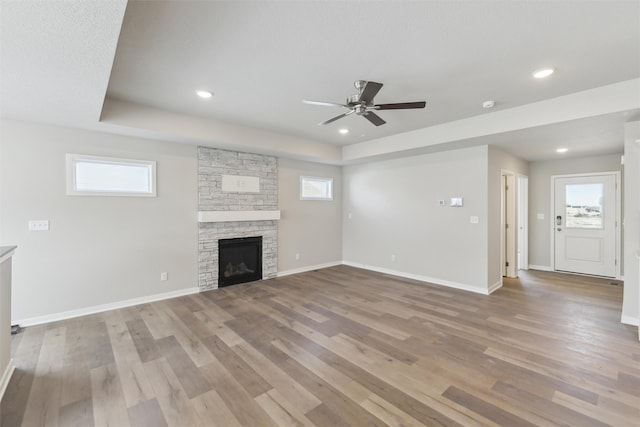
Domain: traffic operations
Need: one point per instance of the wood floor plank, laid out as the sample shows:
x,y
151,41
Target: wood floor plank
x,y
143,340
77,414
109,407
281,410
147,414
485,409
338,346
235,397
213,411
192,380
600,415
135,385
251,380
25,357
43,406
286,385
171,397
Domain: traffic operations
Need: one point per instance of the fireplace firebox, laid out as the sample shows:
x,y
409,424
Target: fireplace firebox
x,y
240,260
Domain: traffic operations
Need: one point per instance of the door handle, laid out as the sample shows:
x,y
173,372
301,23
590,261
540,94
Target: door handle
x,y
559,220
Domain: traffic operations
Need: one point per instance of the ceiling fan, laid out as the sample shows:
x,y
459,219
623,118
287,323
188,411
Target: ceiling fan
x,y
362,104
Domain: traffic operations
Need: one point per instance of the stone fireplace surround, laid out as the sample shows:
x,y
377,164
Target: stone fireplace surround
x,y
228,215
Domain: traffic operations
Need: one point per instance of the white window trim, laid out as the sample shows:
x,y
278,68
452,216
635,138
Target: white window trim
x,y
72,159
303,197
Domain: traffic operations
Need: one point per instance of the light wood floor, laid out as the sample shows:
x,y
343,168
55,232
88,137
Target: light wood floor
x,y
337,347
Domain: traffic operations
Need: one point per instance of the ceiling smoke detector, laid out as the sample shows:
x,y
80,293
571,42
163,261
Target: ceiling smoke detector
x,y
488,104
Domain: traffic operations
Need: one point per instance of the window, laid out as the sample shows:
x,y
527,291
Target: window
x,y
584,205
316,188
105,176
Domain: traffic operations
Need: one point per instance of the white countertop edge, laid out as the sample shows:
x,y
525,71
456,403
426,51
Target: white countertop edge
x,y
7,255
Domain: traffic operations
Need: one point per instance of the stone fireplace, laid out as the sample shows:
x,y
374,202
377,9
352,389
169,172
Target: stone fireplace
x,y
237,199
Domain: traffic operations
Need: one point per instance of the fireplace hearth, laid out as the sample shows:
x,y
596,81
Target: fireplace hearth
x,y
240,260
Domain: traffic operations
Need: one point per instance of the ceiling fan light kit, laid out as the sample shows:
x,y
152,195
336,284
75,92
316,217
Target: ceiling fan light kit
x,y
362,104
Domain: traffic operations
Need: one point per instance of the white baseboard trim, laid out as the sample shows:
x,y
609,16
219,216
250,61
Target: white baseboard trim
x,y
540,267
308,268
427,279
495,287
32,321
6,377
629,320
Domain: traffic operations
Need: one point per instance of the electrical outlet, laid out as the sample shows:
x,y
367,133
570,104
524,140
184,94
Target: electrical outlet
x,y
164,276
39,225
474,220
350,216
393,258
297,257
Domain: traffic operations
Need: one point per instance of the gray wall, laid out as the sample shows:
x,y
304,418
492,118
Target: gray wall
x,y
99,250
540,197
311,228
395,211
106,250
631,301
499,161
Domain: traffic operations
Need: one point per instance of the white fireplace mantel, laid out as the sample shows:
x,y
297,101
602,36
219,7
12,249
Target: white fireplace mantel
x,y
229,216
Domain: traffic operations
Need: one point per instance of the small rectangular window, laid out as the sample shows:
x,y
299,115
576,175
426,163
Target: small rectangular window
x,y
313,188
106,176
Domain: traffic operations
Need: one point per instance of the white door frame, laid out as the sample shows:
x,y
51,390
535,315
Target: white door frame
x,y
523,220
618,217
511,271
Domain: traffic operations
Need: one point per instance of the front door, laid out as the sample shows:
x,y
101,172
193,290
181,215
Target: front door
x,y
585,221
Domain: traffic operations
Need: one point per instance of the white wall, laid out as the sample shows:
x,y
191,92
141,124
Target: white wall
x,y
394,209
499,161
540,197
99,250
631,300
311,228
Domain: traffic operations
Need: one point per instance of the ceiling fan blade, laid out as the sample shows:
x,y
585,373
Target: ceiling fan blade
x,y
401,106
323,103
374,118
326,122
370,90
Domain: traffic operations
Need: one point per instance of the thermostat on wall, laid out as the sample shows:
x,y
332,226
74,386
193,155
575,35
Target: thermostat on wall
x,y
456,202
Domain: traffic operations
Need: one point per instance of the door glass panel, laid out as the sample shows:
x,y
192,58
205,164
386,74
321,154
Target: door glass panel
x,y
584,205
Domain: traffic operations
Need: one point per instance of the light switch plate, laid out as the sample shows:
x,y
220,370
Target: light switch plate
x,y
456,202
39,225
540,216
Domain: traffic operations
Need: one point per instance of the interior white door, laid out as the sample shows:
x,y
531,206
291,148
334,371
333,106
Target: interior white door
x,y
585,224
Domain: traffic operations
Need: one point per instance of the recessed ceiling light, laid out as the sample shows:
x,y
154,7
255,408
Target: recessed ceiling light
x,y
344,131
541,74
562,150
204,94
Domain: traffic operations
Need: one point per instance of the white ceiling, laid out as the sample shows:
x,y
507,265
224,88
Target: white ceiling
x,y
261,58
